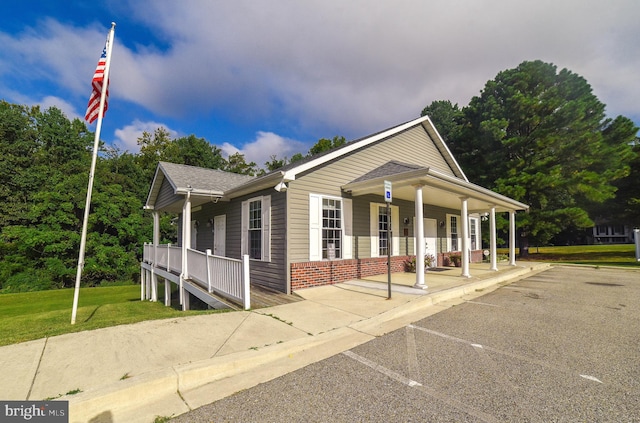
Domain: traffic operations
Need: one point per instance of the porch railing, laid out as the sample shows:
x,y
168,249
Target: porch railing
x,y
224,276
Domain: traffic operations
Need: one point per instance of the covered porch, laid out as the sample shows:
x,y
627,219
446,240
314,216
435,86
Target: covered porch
x,y
425,186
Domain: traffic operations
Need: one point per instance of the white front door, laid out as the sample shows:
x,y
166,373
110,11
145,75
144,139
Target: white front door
x,y
430,237
194,234
219,234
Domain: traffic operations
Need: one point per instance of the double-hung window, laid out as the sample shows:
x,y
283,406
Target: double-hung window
x,y
380,242
383,231
473,233
256,228
329,227
453,233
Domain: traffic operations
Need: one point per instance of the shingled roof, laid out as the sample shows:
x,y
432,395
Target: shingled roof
x,y
392,167
183,177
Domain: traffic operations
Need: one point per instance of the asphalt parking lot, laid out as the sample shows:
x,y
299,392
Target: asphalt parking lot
x,y
562,345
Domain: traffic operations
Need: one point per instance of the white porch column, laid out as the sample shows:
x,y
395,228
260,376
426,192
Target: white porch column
x,y
186,301
167,292
512,238
147,284
156,233
492,239
156,241
142,282
419,236
186,242
465,237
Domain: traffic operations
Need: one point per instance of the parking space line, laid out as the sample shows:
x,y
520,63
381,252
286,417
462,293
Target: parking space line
x,y
387,372
429,391
412,353
476,346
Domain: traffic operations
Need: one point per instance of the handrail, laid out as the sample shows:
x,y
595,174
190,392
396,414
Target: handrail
x,y
224,276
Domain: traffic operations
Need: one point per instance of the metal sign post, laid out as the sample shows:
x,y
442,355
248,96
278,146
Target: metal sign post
x,y
388,198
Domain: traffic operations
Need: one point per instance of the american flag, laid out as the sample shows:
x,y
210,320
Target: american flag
x,y
98,78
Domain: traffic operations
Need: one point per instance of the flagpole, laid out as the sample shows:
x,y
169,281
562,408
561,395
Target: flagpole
x,y
96,144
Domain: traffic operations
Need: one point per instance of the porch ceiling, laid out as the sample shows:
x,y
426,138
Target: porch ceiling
x,y
437,189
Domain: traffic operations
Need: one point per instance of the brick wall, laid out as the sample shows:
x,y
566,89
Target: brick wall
x,y
328,272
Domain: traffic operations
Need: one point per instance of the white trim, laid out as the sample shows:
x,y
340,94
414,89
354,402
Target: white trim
x,y
458,230
347,228
315,226
373,229
291,174
265,207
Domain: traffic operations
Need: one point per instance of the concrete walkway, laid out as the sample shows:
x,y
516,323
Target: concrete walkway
x,y
132,373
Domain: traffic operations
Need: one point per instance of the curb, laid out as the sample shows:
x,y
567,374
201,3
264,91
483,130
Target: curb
x,y
179,389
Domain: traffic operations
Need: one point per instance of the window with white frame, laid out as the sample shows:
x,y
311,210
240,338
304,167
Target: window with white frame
x,y
331,228
453,233
379,221
473,233
330,231
256,228
383,234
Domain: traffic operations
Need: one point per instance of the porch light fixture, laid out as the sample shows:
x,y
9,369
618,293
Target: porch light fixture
x,y
442,223
281,187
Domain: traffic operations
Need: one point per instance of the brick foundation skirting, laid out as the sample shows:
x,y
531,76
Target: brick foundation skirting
x,y
328,272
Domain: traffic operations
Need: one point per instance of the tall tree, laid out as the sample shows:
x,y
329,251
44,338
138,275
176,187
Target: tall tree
x,y
325,144
199,152
275,163
541,137
446,117
237,164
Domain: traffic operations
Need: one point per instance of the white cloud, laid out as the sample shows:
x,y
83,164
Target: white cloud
x,y
126,138
230,149
265,145
45,103
357,67
67,108
331,67
62,54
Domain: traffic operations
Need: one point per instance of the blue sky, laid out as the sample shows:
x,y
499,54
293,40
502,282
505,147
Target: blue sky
x,y
272,77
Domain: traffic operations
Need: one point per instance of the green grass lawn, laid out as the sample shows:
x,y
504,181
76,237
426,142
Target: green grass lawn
x,y
597,255
33,315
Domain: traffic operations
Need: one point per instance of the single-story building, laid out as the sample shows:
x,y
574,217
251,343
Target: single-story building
x,y
323,220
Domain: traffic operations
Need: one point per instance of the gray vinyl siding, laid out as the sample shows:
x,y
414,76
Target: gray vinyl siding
x,y
269,274
166,196
204,240
362,225
413,146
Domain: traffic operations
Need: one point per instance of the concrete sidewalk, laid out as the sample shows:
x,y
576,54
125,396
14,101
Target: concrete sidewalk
x,y
132,373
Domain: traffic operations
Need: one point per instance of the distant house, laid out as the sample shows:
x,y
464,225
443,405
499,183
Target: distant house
x,y
323,220
607,233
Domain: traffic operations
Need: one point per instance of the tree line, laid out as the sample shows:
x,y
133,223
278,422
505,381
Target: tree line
x,y
44,167
534,133
540,135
